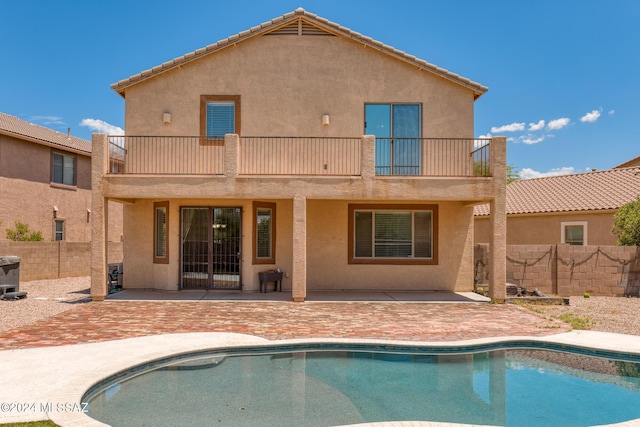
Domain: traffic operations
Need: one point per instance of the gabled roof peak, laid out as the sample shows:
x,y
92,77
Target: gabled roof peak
x,y
280,22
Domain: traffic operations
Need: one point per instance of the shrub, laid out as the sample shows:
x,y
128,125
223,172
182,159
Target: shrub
x,y
21,233
626,224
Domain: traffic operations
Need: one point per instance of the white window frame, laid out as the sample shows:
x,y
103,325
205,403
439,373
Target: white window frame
x,y
563,231
56,232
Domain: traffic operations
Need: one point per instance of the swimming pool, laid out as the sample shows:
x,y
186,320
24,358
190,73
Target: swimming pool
x,y
519,383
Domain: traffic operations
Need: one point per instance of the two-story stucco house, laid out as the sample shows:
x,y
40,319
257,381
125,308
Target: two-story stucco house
x,y
45,182
303,146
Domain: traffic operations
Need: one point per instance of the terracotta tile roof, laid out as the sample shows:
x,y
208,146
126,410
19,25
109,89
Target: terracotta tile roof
x,y
599,190
14,126
283,21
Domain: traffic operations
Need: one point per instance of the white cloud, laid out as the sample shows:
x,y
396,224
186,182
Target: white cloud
x,y
47,120
527,173
558,123
513,127
612,112
531,139
536,126
101,126
486,136
590,117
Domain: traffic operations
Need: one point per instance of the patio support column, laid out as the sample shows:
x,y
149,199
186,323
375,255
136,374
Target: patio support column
x,y
367,165
99,216
299,274
498,215
231,155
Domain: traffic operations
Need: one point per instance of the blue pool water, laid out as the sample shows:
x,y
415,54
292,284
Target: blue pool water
x,y
327,387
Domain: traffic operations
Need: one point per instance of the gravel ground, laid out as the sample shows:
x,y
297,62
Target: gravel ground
x,y
606,314
45,298
50,297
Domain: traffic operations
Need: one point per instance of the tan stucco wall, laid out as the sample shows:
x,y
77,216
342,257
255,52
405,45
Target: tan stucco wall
x,y
327,266
26,194
287,83
141,272
327,250
545,229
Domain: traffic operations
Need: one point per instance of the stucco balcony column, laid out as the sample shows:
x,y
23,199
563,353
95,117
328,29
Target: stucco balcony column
x,y
368,167
299,274
231,155
498,219
99,217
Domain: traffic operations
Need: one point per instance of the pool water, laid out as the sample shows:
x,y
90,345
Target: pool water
x,y
526,387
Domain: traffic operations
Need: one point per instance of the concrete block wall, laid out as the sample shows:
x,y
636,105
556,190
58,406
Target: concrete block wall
x,y
570,270
54,260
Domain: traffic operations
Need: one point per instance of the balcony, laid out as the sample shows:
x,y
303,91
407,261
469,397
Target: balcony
x,y
299,156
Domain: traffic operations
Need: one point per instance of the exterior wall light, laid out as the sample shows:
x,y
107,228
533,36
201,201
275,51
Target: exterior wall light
x,y
55,212
166,118
325,120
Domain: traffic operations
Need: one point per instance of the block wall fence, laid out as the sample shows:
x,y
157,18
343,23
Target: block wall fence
x,y
55,260
567,270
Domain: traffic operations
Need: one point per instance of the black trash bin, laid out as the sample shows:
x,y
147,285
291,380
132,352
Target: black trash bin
x,y
10,278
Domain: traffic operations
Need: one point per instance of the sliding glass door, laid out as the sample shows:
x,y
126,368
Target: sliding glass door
x,y
211,242
398,131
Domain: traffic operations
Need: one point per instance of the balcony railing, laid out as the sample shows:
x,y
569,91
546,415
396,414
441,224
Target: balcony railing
x,y
166,155
314,156
300,156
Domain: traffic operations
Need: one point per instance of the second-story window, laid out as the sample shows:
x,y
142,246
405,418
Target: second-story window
x,y
63,168
219,115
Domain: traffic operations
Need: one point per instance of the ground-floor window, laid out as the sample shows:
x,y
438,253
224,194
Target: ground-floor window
x,y
393,234
59,230
264,236
574,232
160,238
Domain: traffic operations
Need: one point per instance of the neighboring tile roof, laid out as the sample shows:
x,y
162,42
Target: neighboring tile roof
x,y
14,126
278,23
599,190
633,162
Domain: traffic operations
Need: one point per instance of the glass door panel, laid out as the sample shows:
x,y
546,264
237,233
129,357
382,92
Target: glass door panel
x,y
211,242
398,129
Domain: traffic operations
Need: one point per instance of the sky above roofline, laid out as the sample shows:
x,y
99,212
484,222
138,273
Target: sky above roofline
x,y
561,74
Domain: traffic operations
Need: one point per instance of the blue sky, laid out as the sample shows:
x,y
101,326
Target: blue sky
x,y
563,75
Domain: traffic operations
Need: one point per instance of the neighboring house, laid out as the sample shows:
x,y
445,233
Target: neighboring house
x,y
567,209
275,172
633,162
45,182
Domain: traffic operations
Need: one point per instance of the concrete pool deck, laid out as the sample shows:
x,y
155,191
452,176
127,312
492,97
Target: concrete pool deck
x,y
50,382
47,366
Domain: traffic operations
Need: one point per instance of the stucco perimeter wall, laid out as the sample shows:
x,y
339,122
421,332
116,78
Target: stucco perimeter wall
x,y
546,228
327,251
286,84
54,260
567,270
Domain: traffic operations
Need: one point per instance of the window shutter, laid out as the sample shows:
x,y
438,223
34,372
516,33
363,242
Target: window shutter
x,y
393,234
263,233
161,232
220,118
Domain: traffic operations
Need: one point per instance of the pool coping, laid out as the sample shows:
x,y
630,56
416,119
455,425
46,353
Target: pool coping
x,y
49,382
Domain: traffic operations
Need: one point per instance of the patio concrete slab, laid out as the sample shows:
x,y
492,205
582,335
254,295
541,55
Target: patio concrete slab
x,y
333,296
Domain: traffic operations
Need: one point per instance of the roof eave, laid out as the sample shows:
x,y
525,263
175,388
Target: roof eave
x,y
329,26
44,142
